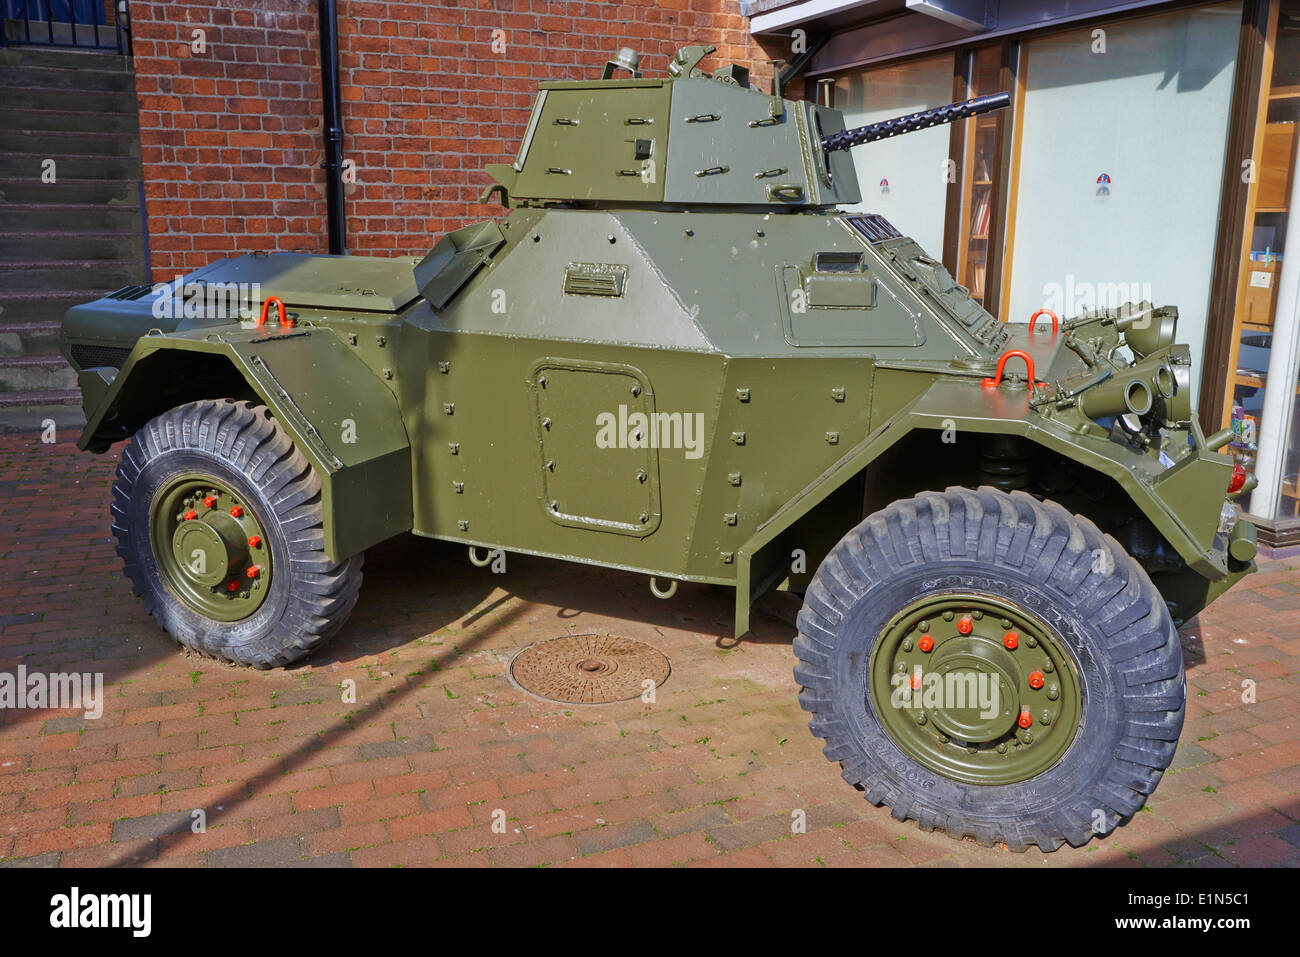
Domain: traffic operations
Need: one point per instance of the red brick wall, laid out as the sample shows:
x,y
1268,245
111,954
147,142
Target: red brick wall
x,y
231,136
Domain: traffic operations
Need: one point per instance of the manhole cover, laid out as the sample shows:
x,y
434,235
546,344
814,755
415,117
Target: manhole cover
x,y
589,669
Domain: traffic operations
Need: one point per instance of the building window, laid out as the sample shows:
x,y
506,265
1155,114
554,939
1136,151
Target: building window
x,y
904,178
1263,373
979,167
1118,166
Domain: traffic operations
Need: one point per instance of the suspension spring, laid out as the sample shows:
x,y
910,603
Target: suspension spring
x,y
1006,461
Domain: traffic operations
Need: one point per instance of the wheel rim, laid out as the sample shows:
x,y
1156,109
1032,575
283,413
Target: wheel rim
x,y
975,688
210,547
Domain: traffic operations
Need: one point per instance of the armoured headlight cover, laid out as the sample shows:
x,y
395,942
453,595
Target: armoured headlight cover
x,y
1150,330
1172,379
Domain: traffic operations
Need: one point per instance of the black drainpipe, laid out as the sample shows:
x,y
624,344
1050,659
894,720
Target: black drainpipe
x,y
333,165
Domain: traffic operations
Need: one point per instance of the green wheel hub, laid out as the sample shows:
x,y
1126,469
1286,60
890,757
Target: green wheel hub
x,y
975,688
210,547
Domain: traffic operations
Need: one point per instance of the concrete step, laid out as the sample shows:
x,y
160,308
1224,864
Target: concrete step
x,y
57,143
61,58
86,36
36,374
29,339
23,217
42,306
90,100
64,77
27,166
16,247
33,115
93,192
34,411
70,274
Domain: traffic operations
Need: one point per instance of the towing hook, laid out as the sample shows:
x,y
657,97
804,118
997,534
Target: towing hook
x,y
662,592
479,562
1033,321
1002,362
285,321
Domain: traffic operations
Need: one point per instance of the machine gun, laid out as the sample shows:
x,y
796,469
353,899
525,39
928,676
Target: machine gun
x,y
912,122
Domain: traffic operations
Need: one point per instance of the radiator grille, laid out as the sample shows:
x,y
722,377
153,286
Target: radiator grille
x,y
92,357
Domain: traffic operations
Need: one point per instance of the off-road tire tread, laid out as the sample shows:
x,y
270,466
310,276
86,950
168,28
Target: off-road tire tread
x,y
247,437
1059,549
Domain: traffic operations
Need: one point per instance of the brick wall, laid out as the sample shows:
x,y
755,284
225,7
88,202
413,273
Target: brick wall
x,y
230,120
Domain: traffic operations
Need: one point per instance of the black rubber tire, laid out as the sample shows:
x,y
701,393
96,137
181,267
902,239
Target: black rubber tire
x,y
1108,615
240,444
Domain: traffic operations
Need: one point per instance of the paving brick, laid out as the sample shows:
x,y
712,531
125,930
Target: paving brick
x,y
155,826
272,853
533,854
708,776
608,837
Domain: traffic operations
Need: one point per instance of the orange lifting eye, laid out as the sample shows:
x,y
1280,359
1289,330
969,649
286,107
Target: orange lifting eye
x,y
1002,362
285,321
1033,320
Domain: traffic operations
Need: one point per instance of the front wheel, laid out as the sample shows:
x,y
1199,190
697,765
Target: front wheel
x,y
989,664
219,525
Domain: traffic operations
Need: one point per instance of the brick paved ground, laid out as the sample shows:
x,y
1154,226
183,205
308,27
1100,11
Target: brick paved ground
x,y
438,738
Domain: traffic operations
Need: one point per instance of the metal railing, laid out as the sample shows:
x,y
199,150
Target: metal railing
x,y
90,24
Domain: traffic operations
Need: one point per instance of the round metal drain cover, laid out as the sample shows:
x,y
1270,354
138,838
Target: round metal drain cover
x,y
589,669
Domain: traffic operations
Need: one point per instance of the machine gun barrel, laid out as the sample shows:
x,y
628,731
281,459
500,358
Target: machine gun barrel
x,y
915,121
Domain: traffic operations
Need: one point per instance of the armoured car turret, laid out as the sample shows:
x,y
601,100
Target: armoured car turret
x,y
677,353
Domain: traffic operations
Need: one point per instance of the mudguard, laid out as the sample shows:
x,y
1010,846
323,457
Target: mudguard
x,y
1180,500
337,410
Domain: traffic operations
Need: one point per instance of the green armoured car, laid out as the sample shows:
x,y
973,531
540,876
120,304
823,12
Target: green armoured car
x,y
678,356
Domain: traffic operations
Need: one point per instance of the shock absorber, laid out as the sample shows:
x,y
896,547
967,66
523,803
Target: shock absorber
x,y
1006,461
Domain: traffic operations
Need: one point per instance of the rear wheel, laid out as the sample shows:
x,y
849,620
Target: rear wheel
x,y
991,665
219,524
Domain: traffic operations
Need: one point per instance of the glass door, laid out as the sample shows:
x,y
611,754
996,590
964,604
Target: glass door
x,y
1261,378
981,169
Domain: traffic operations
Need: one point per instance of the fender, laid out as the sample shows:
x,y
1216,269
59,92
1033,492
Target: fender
x,y
1164,497
339,414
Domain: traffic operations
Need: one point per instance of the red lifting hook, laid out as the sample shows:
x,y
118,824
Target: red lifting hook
x,y
1034,319
1002,361
266,307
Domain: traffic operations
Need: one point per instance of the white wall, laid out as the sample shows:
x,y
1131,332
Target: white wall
x,y
1151,112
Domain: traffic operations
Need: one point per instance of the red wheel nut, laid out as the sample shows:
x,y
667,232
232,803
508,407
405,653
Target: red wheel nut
x,y
253,571
236,511
210,501
966,626
255,541
926,644
191,514
916,682
1011,640
1036,680
232,586
1025,719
